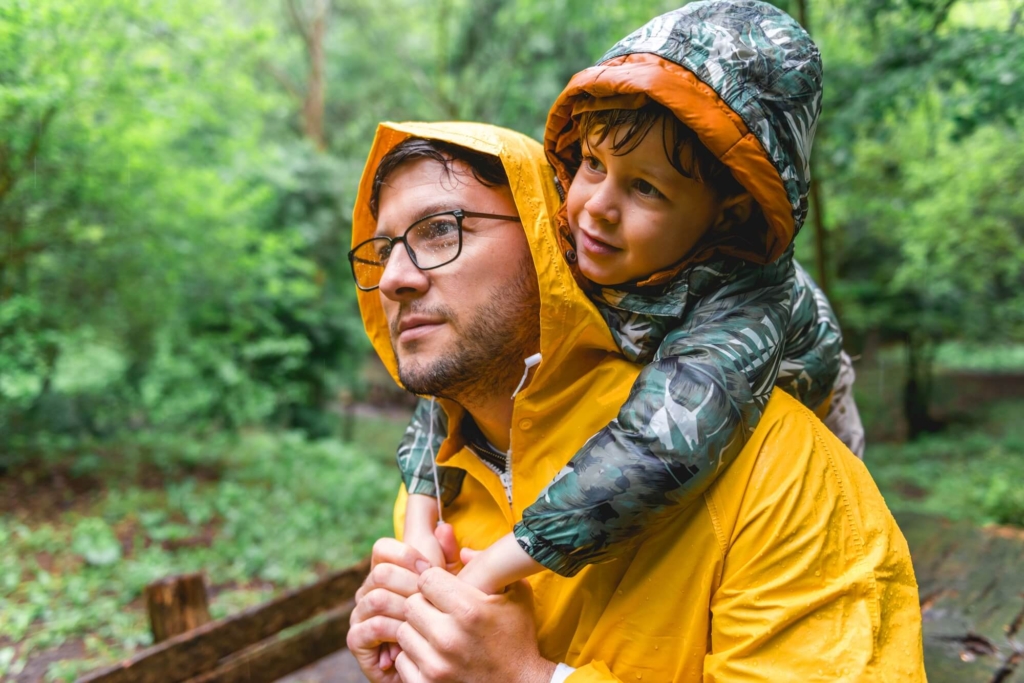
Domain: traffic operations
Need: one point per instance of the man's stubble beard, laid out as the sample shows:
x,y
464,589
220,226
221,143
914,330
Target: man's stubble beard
x,y
487,359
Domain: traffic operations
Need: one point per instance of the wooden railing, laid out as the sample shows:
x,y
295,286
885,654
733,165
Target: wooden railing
x,y
260,644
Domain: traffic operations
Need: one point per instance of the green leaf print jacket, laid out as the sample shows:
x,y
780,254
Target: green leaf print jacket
x,y
717,333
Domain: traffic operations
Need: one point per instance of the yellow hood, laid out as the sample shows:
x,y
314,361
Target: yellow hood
x,y
579,355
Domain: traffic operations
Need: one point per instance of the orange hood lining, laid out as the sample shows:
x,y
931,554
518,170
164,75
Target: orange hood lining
x,y
701,109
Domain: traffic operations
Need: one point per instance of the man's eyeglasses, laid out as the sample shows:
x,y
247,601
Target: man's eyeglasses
x,y
431,242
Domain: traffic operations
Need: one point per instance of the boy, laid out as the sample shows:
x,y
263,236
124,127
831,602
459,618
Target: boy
x,y
686,153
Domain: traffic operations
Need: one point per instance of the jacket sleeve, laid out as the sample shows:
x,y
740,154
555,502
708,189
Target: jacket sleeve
x,y
688,415
422,440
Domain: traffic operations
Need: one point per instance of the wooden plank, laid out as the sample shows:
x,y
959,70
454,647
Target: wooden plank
x,y
190,654
176,604
276,657
972,599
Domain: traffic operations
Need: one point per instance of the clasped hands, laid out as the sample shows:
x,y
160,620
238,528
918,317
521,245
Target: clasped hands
x,y
418,623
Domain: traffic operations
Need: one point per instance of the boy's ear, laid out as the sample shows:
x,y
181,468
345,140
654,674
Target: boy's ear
x,y
736,210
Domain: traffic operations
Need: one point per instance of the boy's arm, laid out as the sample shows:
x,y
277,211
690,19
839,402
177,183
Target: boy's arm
x,y
427,430
689,414
422,439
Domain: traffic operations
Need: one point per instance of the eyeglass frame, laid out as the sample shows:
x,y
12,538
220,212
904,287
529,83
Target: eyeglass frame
x,y
460,215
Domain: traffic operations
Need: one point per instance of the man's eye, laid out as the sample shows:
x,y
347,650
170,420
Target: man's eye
x,y
383,250
438,229
436,234
647,190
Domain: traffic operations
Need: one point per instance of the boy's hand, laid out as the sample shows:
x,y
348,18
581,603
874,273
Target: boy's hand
x,y
420,522
501,565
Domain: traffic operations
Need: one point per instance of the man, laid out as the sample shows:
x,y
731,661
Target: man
x,y
791,569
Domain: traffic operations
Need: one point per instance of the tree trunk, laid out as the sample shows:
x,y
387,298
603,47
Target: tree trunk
x,y
917,388
176,604
817,205
313,109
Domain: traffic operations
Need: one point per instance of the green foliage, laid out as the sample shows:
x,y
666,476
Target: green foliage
x,y
971,474
257,513
147,206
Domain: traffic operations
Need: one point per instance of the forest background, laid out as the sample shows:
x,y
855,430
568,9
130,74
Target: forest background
x,y
184,379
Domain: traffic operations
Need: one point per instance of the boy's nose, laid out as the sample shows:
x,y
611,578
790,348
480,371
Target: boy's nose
x,y
603,204
402,280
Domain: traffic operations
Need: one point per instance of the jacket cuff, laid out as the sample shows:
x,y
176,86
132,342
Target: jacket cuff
x,y
545,553
562,672
422,486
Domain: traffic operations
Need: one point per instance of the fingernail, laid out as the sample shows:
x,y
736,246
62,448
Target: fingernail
x,y
422,566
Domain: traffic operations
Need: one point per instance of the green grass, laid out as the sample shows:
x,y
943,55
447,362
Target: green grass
x,y
972,473
257,513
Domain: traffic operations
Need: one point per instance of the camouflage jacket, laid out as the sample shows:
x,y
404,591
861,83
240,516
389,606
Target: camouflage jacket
x,y
715,342
717,336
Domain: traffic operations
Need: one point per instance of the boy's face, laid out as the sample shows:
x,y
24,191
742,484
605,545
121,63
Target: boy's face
x,y
634,214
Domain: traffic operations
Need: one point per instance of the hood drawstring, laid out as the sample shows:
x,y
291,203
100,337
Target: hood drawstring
x,y
530,362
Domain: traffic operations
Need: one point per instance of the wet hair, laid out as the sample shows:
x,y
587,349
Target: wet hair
x,y
683,149
486,168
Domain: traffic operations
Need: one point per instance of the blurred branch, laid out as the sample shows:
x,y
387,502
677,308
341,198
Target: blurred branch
x,y
283,79
298,22
1015,19
942,15
8,177
311,30
817,203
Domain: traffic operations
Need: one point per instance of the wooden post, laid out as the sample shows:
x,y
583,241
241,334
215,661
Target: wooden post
x,y
176,604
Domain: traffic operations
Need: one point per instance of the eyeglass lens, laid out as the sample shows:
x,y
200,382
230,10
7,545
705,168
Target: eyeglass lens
x,y
431,242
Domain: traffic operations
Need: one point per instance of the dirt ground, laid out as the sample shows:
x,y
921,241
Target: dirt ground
x,y
338,668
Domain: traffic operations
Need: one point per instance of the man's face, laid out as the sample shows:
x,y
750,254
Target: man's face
x,y
462,330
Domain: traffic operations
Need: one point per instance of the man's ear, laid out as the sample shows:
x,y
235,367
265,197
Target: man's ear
x,y
736,210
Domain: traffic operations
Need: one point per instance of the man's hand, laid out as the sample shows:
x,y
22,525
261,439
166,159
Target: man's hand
x,y
380,607
455,633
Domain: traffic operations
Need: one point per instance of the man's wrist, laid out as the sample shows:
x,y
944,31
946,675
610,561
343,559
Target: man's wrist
x,y
542,672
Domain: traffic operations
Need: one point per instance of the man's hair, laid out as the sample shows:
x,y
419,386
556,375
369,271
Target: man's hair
x,y
486,168
683,149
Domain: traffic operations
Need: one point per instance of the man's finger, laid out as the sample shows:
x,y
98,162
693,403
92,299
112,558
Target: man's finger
x,y
391,577
370,634
393,551
421,654
447,593
408,670
379,602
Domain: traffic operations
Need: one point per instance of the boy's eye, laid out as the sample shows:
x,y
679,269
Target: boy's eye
x,y
646,189
593,164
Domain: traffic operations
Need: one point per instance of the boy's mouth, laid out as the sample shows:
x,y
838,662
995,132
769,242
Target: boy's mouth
x,y
595,246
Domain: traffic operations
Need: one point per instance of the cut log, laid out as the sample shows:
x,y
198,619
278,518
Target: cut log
x,y
971,584
176,604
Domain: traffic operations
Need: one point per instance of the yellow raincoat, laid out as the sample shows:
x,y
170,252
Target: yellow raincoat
x,y
792,569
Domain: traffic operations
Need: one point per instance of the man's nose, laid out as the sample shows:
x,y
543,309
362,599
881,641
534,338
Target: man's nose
x,y
604,203
402,280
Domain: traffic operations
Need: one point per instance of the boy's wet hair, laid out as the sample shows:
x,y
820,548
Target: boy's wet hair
x,y
486,168
683,149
